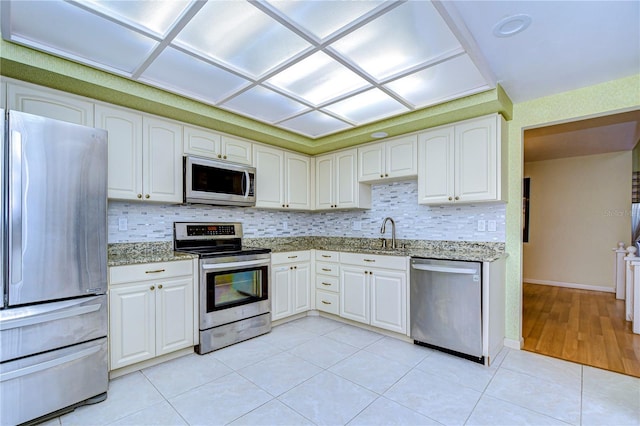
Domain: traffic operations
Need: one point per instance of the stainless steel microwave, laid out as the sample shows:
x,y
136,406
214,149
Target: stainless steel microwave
x,y
218,182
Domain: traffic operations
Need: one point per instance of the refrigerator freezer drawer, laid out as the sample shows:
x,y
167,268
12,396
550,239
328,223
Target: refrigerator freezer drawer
x,y
39,328
34,386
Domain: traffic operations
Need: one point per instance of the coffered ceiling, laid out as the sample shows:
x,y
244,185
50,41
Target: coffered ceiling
x,y
321,69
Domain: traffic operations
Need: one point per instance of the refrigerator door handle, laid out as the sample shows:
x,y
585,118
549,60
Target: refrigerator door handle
x,y
48,316
15,208
48,364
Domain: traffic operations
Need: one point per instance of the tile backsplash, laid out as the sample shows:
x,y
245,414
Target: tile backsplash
x,y
154,222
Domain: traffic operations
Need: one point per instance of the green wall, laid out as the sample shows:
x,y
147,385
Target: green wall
x,y
602,99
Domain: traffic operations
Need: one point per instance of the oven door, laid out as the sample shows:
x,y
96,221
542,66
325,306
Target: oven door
x,y
232,289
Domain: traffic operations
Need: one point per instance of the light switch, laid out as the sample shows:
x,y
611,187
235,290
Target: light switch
x,y
482,225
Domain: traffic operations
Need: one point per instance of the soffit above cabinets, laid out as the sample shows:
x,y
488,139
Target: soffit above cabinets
x,y
310,67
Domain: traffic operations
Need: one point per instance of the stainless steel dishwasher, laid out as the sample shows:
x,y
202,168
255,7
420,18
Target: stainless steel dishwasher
x,y
446,306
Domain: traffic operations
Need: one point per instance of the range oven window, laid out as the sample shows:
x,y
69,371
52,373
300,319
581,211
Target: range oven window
x,y
226,289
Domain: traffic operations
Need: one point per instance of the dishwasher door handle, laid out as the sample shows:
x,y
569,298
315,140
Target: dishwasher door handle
x,y
446,269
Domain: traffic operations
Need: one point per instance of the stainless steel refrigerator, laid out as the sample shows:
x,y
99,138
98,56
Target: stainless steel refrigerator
x,y
53,316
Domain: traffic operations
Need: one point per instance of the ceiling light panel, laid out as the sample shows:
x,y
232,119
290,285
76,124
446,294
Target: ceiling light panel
x,y
264,104
241,36
179,72
318,79
368,106
156,16
69,31
442,82
314,124
323,18
407,36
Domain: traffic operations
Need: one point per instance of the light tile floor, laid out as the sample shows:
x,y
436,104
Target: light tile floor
x,y
315,370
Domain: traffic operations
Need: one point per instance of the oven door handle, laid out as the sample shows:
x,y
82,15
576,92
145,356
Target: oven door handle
x,y
227,265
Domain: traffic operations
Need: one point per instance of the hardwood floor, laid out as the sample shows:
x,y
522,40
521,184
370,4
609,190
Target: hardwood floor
x,y
582,326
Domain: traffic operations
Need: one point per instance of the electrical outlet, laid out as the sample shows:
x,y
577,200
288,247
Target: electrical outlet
x,y
285,226
356,225
122,224
491,225
482,225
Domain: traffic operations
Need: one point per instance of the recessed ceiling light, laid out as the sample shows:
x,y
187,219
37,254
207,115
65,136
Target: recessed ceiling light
x,y
379,135
511,25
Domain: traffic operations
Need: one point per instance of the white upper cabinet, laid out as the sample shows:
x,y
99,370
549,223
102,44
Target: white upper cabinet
x,y
125,150
50,103
464,162
391,160
145,155
337,185
205,143
283,179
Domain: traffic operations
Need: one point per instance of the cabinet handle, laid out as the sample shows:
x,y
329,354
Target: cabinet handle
x,y
139,195
369,260
326,255
292,257
147,196
326,269
156,271
326,303
152,288
160,286
326,284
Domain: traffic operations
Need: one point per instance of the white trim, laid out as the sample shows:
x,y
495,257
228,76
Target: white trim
x,y
513,343
570,285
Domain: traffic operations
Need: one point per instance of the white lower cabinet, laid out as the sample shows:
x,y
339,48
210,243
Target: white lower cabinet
x,y
150,311
373,290
290,284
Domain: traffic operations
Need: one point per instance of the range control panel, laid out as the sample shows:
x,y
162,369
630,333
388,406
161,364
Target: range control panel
x,y
206,230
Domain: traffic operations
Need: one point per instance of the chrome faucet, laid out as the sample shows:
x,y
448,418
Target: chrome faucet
x,y
393,232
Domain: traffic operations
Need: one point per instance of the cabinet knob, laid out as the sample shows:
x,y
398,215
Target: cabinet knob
x,y
381,175
147,196
160,286
457,198
219,155
139,195
287,205
295,267
283,205
224,157
450,198
386,175
152,288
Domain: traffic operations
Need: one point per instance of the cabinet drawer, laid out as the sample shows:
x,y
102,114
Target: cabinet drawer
x,y
324,282
372,260
149,271
327,256
327,268
327,302
290,256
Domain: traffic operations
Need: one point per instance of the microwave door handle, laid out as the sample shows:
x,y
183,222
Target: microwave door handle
x,y
246,184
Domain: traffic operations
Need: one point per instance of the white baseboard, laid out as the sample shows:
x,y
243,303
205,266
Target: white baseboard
x,y
513,343
570,285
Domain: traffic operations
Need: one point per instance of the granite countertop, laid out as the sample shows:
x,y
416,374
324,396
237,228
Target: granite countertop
x,y
134,253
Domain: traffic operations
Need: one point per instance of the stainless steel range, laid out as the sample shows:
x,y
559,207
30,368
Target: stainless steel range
x,y
233,286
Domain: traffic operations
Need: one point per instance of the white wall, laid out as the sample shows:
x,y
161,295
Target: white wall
x,y
154,222
580,208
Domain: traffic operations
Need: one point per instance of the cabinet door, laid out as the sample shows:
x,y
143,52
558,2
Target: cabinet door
x,y
174,315
201,142
347,185
325,182
236,150
302,282
298,181
476,168
125,151
162,160
401,157
50,103
281,292
131,324
371,162
436,164
354,294
269,163
388,300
